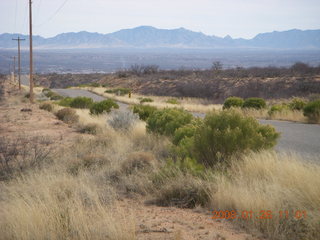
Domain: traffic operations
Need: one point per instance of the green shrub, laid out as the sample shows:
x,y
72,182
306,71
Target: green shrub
x,y
119,91
67,115
312,111
56,96
52,95
257,103
183,139
65,102
187,130
278,108
46,106
103,106
297,104
81,102
144,111
166,121
143,100
224,134
173,101
233,102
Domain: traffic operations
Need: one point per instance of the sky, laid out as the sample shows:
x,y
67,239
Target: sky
x,y
237,18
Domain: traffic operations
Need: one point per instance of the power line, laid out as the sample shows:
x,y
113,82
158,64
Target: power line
x,y
52,16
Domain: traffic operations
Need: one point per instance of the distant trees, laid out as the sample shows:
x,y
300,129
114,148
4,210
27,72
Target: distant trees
x,y
143,69
216,66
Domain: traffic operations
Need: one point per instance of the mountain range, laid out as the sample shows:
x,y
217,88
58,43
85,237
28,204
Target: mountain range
x,y
150,37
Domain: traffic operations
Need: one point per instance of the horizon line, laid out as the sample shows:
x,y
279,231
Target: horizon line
x,y
171,29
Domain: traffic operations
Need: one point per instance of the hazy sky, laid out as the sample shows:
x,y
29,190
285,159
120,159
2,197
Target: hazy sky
x,y
238,18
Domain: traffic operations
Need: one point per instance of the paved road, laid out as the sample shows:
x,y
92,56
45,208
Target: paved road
x,y
303,139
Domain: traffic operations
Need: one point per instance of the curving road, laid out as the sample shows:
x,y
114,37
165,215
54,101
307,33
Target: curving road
x,y
299,138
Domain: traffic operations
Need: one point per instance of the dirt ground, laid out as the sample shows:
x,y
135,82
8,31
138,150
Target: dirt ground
x,y
152,222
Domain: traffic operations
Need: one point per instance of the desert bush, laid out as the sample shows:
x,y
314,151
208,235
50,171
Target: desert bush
x,y
23,153
187,130
103,106
173,101
138,161
46,106
65,102
52,95
81,102
167,121
312,111
233,102
184,191
224,134
144,111
119,91
297,104
278,108
90,128
143,100
257,103
67,115
122,120
56,96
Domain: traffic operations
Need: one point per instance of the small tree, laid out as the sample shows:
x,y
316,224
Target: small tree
x,y
216,66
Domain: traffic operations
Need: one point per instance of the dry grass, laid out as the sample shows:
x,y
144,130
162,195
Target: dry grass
x,y
270,181
289,115
52,205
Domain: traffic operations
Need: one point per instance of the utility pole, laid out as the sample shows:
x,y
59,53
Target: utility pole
x,y
14,68
31,54
19,58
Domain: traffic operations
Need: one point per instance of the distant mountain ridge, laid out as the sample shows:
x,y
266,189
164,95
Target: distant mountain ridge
x,y
150,37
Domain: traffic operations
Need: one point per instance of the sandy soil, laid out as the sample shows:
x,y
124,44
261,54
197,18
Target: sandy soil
x,y
167,223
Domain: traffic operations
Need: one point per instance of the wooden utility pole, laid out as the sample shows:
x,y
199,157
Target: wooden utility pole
x,y
19,59
14,68
31,54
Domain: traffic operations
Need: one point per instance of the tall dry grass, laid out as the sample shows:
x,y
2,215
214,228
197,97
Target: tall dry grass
x,y
289,115
276,182
54,205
